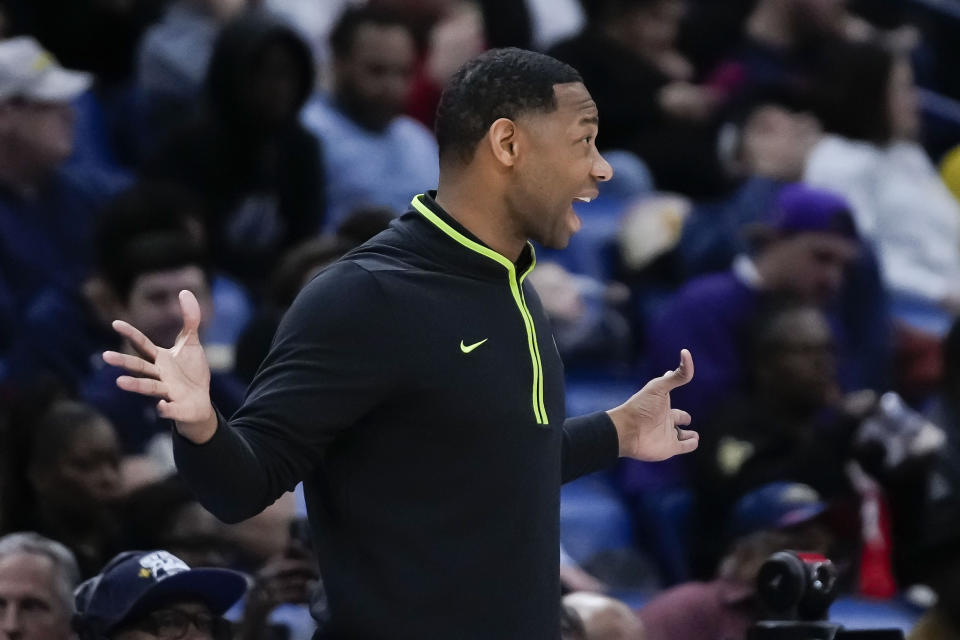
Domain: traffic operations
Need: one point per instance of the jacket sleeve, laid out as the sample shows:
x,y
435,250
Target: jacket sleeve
x,y
590,443
325,370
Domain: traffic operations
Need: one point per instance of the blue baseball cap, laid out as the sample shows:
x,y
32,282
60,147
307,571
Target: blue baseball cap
x,y
134,583
800,208
778,505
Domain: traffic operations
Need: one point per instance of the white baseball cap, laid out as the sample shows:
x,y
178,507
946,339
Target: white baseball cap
x,y
28,71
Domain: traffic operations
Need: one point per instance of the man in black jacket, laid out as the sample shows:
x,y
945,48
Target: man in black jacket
x,y
415,389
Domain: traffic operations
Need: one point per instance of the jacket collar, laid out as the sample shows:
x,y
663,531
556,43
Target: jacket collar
x,y
461,247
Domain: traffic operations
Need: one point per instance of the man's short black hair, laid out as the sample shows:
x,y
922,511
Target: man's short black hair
x,y
146,207
501,83
152,253
345,30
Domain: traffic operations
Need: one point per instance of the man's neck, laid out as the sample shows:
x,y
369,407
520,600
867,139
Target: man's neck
x,y
469,202
770,26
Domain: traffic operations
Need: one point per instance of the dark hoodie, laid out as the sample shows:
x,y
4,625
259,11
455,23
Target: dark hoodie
x,y
260,179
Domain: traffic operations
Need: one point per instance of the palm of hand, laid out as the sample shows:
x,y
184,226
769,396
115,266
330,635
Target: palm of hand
x,y
179,376
654,436
649,428
185,373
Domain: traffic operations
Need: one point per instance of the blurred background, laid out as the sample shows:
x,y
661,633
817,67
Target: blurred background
x,y
785,205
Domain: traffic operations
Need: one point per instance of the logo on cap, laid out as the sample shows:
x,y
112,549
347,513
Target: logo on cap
x,y
42,61
160,565
799,494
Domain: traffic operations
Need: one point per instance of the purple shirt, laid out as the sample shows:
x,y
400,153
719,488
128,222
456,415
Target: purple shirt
x,y
717,610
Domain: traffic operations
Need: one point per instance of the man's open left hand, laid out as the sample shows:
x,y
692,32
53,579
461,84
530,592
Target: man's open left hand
x,y
647,426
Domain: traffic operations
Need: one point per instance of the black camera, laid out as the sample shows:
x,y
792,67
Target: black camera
x,y
796,591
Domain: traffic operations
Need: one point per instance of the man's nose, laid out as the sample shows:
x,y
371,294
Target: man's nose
x,y
602,171
10,624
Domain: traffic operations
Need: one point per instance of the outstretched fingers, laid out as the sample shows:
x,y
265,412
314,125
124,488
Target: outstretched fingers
x,y
133,364
139,341
143,386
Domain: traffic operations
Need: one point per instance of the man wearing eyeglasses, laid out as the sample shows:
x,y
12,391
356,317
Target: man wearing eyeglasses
x,y
155,595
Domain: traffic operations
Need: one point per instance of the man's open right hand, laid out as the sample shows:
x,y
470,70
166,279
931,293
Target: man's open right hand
x,y
179,376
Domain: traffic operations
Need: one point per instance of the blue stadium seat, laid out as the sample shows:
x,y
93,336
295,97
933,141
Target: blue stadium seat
x,y
593,519
664,520
861,613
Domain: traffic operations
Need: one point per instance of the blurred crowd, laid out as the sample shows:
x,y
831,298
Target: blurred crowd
x,y
785,204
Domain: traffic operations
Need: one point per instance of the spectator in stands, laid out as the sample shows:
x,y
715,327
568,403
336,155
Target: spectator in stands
x,y
604,618
763,144
796,428
145,277
173,57
871,156
643,86
64,333
803,248
766,143
588,328
782,42
37,577
154,594
374,155
774,517
46,209
166,515
255,169
66,467
800,427
456,37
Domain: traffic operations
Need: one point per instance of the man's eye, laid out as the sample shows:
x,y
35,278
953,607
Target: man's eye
x,y
588,139
32,604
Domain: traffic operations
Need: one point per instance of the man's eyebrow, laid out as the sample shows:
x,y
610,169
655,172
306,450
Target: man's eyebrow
x,y
590,120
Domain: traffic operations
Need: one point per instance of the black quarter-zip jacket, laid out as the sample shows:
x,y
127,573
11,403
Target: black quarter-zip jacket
x,y
415,387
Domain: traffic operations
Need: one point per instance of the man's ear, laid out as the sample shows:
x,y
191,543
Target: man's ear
x,y
504,141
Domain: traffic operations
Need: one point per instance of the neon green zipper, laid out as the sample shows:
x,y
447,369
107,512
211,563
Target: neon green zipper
x,y
516,289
